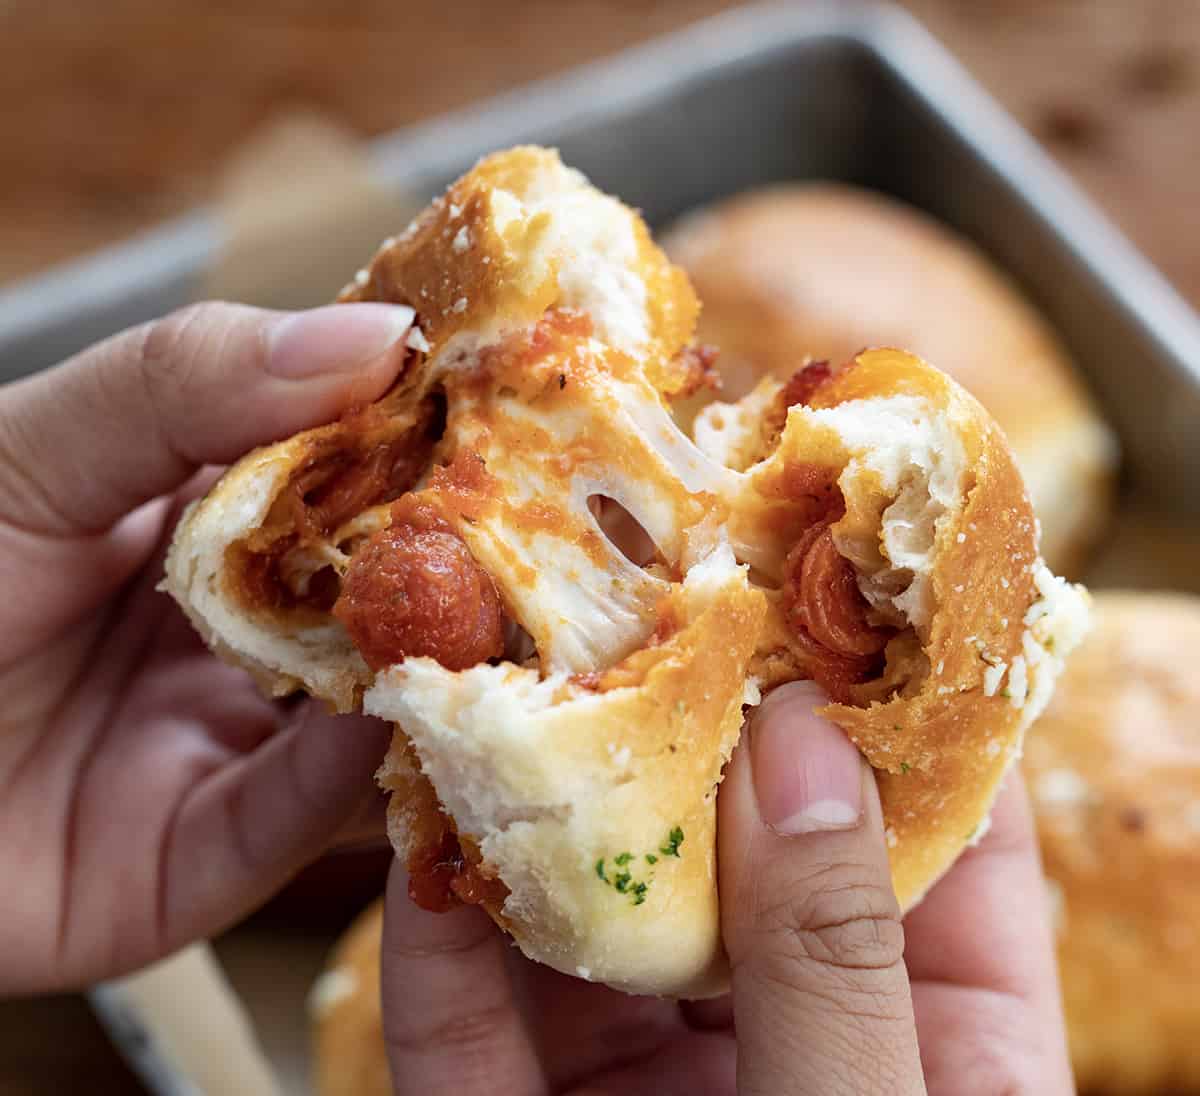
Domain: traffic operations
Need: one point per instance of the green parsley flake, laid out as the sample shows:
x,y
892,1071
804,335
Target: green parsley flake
x,y
905,767
624,882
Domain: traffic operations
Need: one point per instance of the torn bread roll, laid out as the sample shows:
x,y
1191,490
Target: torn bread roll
x,y
1113,769
565,604
821,270
887,522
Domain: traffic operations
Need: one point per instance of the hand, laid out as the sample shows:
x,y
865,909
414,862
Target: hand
x,y
831,995
150,795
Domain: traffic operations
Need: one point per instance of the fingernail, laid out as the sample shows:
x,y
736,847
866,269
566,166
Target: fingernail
x,y
807,773
336,339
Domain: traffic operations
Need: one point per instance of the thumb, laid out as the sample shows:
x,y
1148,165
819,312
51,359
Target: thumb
x,y
820,993
134,416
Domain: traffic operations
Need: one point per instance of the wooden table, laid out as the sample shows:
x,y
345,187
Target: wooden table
x,y
114,115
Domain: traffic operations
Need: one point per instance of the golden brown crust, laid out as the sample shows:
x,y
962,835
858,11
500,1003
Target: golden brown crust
x,y
464,259
791,272
1114,772
346,1014
941,752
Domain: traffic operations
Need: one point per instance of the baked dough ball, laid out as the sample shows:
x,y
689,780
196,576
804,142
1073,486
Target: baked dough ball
x,y
1114,771
347,1020
452,559
791,272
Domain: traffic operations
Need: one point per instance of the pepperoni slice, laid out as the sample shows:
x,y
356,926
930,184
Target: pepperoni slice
x,y
414,589
828,614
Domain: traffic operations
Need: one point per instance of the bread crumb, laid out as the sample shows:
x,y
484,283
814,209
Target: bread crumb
x,y
992,677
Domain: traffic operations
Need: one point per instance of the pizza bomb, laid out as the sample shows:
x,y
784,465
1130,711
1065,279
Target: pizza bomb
x,y
566,605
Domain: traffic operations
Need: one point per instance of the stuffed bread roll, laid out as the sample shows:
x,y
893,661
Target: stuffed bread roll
x,y
566,605
1114,773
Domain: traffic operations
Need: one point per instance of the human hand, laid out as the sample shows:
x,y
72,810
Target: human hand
x,y
150,795
830,994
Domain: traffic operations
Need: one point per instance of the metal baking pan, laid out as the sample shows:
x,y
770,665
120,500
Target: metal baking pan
x,y
850,91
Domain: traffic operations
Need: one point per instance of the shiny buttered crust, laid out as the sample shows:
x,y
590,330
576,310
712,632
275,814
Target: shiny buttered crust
x,y
584,769
1114,772
790,272
346,1014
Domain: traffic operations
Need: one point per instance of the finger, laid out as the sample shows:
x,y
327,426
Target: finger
x,y
47,589
974,928
242,833
581,1028
980,953
136,415
450,1021
820,994
693,1065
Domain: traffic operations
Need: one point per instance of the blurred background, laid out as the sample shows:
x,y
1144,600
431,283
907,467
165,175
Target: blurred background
x,y
116,115
120,114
